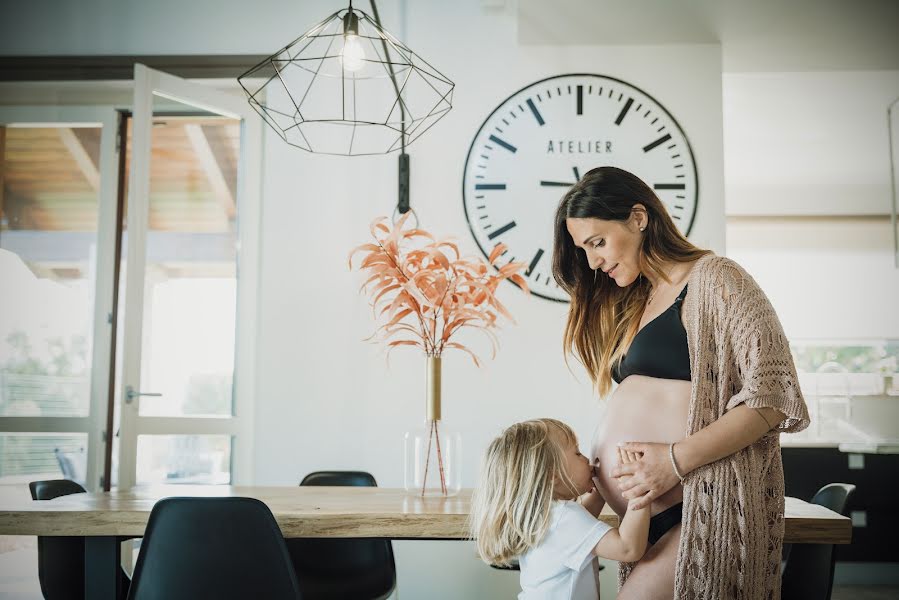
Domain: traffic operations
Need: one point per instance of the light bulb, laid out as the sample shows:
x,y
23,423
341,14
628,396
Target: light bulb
x,y
352,56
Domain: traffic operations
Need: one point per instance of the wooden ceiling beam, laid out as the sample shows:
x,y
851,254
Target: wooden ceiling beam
x,y
211,166
82,158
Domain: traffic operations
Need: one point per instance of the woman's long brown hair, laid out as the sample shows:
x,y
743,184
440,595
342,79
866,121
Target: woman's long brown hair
x,y
604,318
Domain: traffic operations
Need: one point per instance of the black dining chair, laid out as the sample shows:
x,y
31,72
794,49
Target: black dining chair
x,y
60,559
223,548
345,567
808,571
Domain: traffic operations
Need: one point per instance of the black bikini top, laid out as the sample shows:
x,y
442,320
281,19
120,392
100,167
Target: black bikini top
x,y
659,349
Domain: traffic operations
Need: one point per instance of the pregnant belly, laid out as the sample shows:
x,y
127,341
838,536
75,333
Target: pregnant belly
x,y
642,409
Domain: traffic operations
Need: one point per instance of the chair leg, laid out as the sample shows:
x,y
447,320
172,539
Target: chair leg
x,y
102,557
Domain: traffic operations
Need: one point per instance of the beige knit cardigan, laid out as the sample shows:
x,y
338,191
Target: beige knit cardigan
x,y
733,521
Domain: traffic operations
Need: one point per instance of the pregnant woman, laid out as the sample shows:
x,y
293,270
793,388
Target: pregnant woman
x,y
706,384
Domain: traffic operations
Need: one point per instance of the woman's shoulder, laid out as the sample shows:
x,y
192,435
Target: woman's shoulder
x,y
720,268
724,275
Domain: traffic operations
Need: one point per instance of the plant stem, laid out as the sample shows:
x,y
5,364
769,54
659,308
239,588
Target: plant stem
x,y
440,460
424,480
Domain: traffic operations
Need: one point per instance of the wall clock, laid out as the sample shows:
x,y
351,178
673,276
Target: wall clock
x,y
539,141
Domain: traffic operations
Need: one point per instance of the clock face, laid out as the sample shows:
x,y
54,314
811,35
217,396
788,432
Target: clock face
x,y
538,142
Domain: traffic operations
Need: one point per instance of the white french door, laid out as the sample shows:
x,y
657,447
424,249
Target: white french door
x,y
57,248
189,320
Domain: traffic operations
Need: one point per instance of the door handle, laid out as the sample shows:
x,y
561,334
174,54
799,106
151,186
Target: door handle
x,y
131,394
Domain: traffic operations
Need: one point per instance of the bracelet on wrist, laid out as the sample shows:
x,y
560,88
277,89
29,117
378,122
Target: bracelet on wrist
x,y
674,463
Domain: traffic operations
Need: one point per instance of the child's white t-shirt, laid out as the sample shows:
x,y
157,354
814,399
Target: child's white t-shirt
x,y
559,568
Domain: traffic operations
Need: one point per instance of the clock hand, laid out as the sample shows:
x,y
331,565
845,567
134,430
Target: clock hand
x,y
555,184
577,175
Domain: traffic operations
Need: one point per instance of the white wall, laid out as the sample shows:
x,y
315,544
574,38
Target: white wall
x,y
814,147
808,143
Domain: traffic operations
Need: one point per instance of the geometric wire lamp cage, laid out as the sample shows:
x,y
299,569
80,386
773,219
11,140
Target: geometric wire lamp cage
x,y
348,87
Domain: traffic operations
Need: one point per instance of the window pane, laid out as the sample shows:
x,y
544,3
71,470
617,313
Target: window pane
x,y
190,288
26,457
48,245
183,459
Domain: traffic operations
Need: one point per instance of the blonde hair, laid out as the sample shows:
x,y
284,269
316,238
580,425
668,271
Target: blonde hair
x,y
603,318
522,472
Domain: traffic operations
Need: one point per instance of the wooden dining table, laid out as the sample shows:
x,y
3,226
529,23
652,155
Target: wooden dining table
x,y
311,512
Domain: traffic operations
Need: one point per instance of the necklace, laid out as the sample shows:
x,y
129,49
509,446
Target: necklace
x,y
652,294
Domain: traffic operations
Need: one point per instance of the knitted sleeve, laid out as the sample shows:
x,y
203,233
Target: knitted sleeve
x,y
766,375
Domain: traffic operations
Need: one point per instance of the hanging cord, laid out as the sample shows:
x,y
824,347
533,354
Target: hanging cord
x,y
402,206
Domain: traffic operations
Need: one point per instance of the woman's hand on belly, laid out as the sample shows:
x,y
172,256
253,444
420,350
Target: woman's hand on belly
x,y
649,477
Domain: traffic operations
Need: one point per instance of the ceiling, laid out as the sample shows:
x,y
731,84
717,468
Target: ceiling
x,y
50,176
755,35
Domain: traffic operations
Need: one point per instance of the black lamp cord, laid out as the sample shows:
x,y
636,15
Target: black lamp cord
x,y
403,203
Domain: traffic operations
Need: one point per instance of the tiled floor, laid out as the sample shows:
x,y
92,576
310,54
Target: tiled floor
x,y
865,592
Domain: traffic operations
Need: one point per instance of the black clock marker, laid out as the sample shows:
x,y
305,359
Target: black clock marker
x,y
580,99
504,144
536,112
623,113
534,262
669,186
502,230
555,183
658,142
490,186
577,174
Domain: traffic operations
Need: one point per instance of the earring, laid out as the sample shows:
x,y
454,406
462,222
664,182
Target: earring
x,y
594,276
642,228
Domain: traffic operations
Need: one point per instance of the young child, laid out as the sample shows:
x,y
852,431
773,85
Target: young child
x,y
536,500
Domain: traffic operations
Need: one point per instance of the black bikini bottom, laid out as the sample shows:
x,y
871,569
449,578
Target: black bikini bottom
x,y
665,520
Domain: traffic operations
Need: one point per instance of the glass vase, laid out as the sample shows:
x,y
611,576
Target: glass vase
x,y
433,451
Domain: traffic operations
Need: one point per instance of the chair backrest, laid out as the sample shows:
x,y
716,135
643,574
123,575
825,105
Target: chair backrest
x,y
54,488
343,568
340,478
808,573
835,496
60,560
219,548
